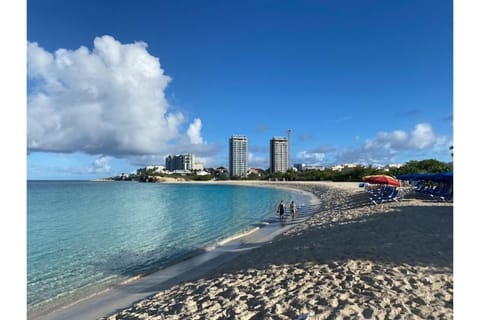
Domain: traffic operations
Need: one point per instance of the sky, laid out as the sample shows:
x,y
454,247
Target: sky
x,y
351,79
113,86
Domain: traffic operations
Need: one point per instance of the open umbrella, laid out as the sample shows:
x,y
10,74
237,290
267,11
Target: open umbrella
x,y
382,179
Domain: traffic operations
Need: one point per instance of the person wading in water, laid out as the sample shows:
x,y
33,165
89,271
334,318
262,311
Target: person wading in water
x,y
281,211
293,209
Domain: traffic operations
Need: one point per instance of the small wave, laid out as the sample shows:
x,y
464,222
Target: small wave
x,y
237,236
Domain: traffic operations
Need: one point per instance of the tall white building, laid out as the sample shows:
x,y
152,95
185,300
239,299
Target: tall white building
x,y
279,154
238,155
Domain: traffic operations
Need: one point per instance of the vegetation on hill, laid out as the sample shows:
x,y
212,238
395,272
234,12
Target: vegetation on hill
x,y
356,173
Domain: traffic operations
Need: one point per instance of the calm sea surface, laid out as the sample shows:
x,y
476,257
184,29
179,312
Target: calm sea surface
x,y
83,236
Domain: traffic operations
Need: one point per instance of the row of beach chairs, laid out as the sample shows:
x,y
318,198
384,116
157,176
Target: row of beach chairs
x,y
383,193
441,192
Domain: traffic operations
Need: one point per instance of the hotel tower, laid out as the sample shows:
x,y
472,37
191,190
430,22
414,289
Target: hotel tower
x,y
238,156
279,154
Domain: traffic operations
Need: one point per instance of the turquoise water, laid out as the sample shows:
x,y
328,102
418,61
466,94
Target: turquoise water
x,y
83,236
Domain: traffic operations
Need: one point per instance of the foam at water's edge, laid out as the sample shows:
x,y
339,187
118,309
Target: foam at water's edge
x,y
237,236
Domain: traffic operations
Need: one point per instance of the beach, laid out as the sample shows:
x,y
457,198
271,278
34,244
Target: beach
x,y
351,260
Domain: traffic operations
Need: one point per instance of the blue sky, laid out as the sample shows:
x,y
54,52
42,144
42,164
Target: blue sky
x,y
117,85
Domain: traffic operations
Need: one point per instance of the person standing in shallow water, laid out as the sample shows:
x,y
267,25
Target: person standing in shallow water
x,y
281,210
293,209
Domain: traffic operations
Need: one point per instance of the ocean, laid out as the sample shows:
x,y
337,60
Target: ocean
x,y
84,236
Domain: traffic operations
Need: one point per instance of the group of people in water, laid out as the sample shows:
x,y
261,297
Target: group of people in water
x,y
281,210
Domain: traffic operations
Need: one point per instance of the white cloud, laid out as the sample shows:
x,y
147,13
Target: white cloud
x,y
388,146
101,165
108,101
422,136
313,158
193,132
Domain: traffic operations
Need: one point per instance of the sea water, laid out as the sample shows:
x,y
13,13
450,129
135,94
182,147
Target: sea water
x,y
84,236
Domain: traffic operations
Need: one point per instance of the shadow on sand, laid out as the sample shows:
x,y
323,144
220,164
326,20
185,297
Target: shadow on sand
x,y
414,235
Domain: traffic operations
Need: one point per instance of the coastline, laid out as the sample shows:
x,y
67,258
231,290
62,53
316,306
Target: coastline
x,y
264,230
349,259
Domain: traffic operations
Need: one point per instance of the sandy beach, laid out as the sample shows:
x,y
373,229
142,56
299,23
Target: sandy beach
x,y
351,260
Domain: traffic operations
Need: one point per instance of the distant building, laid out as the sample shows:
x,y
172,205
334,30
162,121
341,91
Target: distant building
x,y
279,154
198,166
180,162
299,166
255,171
238,148
392,166
345,166
338,167
303,167
319,168
154,169
182,171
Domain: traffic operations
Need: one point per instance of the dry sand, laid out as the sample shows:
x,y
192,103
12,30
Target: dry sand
x,y
351,260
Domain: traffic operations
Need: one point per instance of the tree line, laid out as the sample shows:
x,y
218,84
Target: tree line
x,y
347,174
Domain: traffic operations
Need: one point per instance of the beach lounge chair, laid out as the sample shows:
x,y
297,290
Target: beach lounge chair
x,y
388,194
394,196
448,196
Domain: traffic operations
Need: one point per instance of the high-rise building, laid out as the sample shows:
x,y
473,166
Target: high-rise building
x,y
279,154
180,162
238,147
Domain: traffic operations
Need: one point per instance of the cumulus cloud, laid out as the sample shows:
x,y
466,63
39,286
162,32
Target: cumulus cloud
x,y
388,146
193,132
313,158
422,136
108,101
101,165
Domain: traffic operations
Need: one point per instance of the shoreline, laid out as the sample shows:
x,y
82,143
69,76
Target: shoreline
x,y
352,260
349,259
171,269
